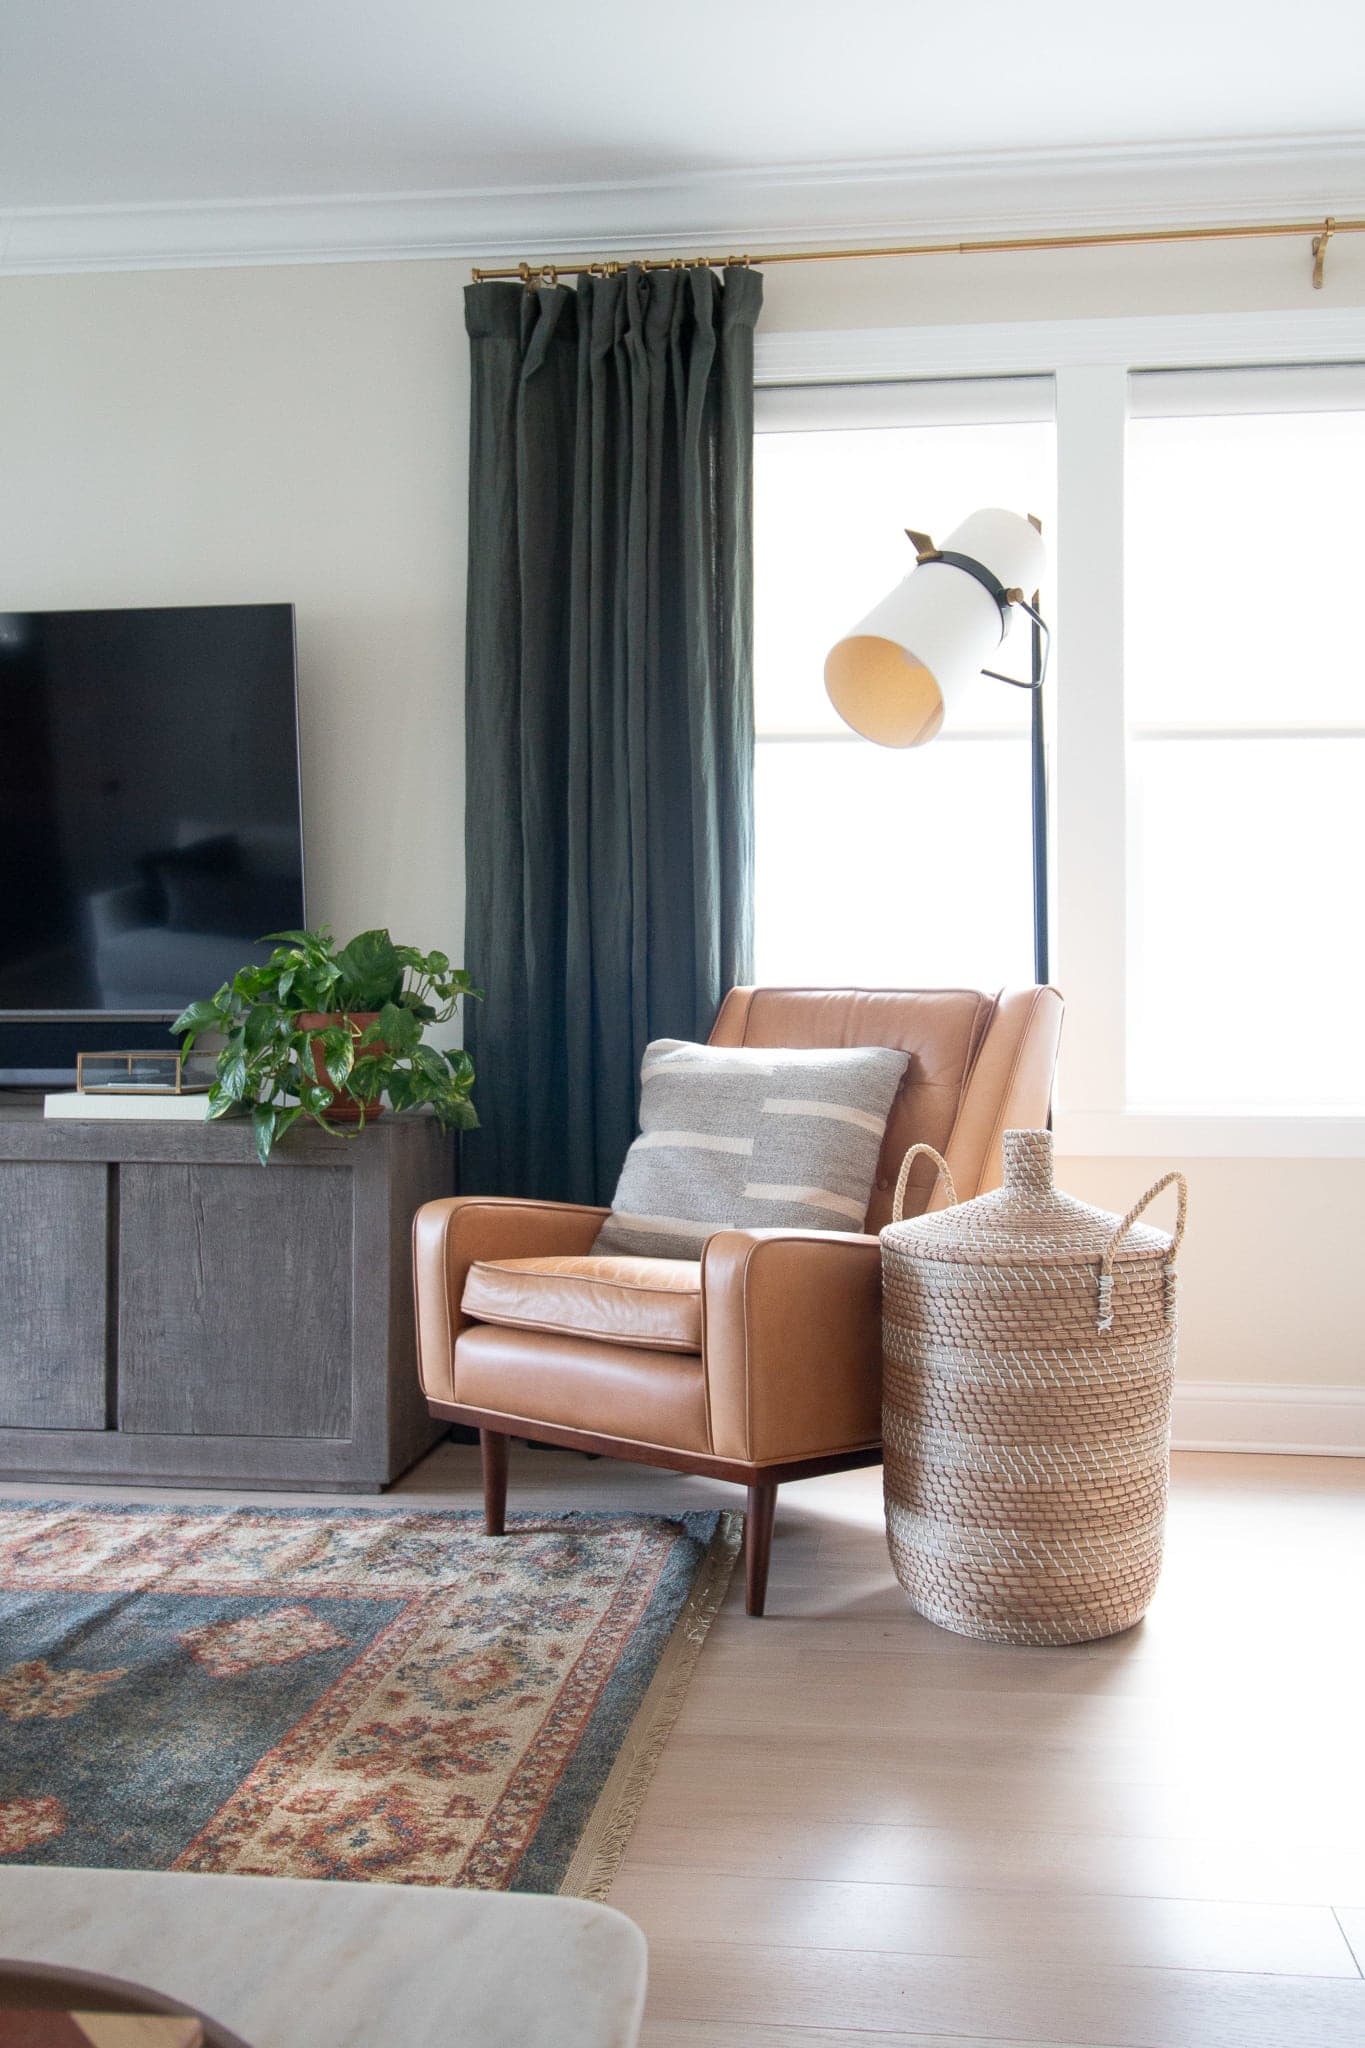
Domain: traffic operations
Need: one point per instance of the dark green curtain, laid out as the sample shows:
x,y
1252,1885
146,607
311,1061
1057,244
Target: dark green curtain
x,y
609,720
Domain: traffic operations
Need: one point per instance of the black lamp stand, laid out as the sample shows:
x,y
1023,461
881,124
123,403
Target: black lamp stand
x,y
1040,639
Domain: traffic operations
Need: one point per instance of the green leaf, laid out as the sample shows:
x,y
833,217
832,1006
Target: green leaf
x,y
371,1072
197,1017
232,1073
398,1029
284,984
248,982
458,1115
315,1098
263,1121
220,1103
461,1067
338,1054
404,1089
371,971
259,1028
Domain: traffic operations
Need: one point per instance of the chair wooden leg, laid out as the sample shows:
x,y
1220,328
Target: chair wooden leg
x,y
494,1452
758,1543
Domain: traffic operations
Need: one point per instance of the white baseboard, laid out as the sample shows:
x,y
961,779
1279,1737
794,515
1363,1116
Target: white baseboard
x,y
1309,1422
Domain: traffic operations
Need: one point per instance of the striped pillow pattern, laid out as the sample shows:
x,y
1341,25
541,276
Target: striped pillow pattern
x,y
749,1137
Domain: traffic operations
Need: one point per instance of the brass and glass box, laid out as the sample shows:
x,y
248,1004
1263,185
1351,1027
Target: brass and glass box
x,y
143,1073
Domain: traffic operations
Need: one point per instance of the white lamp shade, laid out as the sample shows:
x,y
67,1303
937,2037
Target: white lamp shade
x,y
899,673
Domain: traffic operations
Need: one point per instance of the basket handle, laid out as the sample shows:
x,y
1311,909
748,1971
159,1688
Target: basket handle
x,y
898,1199
1106,1294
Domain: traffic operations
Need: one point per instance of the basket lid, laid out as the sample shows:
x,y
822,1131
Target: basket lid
x,y
1028,1219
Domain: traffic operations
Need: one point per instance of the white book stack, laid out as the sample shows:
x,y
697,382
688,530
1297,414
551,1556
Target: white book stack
x,y
104,1108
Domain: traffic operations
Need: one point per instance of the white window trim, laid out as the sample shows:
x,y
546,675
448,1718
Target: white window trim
x,y
1091,360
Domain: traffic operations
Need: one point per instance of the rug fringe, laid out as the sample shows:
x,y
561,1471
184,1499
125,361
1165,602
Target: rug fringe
x,y
602,1845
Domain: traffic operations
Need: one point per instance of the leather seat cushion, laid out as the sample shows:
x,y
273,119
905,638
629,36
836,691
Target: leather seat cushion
x,y
605,1390
655,1303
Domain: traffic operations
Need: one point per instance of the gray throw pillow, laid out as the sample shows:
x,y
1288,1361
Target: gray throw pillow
x,y
747,1137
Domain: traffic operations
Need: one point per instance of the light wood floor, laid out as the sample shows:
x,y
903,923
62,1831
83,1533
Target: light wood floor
x,y
866,1833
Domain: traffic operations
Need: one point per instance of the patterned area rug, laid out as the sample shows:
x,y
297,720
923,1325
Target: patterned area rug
x,y
299,1692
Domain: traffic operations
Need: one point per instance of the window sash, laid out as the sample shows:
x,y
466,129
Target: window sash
x,y
1264,388
907,402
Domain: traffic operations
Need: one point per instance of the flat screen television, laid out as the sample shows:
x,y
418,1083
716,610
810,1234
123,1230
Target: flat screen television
x,y
150,828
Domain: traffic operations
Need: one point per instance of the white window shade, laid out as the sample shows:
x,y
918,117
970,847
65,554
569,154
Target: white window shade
x,y
1246,970
884,869
1245,527
1246,536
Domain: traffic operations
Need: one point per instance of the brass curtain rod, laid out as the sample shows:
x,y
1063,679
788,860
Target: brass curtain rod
x,y
1321,232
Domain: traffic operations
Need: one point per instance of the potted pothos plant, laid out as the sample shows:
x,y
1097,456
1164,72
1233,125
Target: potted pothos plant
x,y
334,1033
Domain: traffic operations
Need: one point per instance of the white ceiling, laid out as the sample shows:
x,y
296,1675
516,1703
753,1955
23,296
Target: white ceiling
x,y
119,102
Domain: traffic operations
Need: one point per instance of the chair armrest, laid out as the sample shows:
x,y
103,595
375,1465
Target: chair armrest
x,y
1008,1089
791,1342
448,1236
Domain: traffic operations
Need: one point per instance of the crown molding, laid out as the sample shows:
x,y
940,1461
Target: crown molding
x,y
993,193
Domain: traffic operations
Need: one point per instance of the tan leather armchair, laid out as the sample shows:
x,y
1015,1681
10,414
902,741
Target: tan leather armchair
x,y
762,1361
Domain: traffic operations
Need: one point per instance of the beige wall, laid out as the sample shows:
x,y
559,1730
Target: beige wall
x,y
1271,1278
299,433
292,433
1073,284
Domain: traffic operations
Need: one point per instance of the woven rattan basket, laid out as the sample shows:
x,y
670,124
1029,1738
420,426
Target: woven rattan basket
x,y
1029,1356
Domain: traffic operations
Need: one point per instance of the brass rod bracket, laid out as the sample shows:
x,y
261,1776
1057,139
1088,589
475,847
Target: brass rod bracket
x,y
1320,250
925,551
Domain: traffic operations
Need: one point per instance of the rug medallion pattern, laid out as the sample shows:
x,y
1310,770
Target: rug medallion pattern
x,y
325,1693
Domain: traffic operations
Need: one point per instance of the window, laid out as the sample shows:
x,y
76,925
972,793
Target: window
x,y
878,867
1245,727
1206,529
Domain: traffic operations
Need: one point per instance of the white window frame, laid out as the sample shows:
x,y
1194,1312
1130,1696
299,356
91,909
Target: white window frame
x,y
1091,361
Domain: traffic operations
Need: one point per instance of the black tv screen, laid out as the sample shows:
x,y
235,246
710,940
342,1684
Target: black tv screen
x,y
149,807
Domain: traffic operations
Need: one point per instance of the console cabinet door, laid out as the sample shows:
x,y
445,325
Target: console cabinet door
x,y
54,1274
235,1311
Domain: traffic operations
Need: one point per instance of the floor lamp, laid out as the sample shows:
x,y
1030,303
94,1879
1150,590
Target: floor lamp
x,y
899,675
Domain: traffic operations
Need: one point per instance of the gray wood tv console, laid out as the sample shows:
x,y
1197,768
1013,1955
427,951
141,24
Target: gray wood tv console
x,y
171,1310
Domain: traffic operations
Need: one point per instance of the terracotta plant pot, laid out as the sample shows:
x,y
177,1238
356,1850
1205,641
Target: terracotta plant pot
x,y
342,1109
